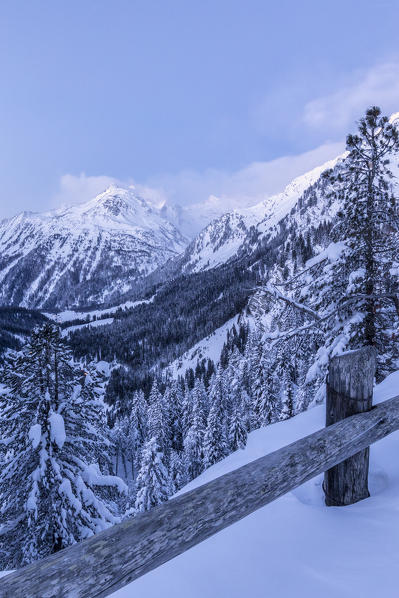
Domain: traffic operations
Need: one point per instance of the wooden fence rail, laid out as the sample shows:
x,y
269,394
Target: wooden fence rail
x,y
113,558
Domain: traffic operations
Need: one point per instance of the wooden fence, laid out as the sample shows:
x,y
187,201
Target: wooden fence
x,y
108,561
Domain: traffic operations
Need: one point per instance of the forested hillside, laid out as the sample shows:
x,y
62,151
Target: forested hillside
x,y
16,324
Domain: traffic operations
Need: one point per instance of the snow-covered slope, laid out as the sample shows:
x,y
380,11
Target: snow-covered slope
x,y
83,254
207,348
234,231
295,546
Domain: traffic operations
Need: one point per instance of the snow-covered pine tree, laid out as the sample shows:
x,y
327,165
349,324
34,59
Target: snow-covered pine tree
x,y
239,380
253,356
233,375
137,430
173,401
264,404
245,405
266,407
138,415
369,226
120,441
193,442
178,471
215,438
200,402
237,430
53,492
186,410
153,481
157,420
128,437
287,396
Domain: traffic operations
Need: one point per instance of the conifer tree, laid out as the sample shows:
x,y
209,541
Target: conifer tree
x,y
52,487
153,481
120,440
265,401
215,439
237,430
186,411
158,420
287,396
368,224
138,415
137,430
200,402
178,471
245,405
173,400
128,436
193,442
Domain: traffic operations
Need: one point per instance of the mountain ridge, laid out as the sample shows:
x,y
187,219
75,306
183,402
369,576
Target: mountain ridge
x,y
225,237
50,260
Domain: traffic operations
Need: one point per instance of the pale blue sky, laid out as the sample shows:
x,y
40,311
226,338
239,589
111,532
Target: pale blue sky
x,y
183,96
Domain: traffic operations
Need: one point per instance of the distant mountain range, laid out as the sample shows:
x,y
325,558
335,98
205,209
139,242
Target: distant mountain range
x,y
100,251
85,254
107,250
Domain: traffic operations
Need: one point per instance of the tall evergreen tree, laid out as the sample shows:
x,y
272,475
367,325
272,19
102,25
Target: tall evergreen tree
x,y
178,471
53,492
137,430
369,226
287,396
153,481
237,430
193,442
200,402
265,401
158,420
215,439
187,408
120,439
173,401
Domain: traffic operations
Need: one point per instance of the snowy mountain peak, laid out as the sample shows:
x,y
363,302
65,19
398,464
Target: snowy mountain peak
x,y
116,207
116,200
91,252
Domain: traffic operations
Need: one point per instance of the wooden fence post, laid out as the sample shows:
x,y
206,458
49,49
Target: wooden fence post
x,y
349,391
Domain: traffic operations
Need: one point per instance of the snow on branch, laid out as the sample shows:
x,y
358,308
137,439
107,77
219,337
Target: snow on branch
x,y
319,318
276,294
93,477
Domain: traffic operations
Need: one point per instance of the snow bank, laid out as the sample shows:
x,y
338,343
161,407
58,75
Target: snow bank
x,y
295,546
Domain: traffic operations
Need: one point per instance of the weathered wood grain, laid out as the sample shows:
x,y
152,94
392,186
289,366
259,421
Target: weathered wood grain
x,y
349,391
102,564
